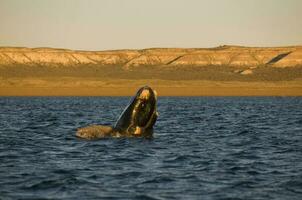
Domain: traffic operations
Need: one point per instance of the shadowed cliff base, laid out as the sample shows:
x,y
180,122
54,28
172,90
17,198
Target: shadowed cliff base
x,y
221,71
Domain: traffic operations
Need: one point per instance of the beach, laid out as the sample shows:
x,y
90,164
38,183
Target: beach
x,y
122,87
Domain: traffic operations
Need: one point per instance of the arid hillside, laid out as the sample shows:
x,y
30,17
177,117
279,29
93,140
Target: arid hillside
x,y
220,56
225,70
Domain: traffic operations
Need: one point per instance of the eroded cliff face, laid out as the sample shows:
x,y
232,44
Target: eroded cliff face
x,y
234,56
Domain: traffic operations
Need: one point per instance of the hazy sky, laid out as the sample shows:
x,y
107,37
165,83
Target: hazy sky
x,y
120,24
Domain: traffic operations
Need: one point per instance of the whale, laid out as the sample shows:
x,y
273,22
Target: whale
x,y
137,119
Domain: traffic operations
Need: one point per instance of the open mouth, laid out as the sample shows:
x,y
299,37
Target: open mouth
x,y
143,112
144,108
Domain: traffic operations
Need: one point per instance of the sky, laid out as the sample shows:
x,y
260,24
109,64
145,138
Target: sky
x,y
137,24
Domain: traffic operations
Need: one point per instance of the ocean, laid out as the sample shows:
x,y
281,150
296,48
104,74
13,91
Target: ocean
x,y
203,148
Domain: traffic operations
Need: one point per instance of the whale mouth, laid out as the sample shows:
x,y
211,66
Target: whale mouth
x,y
140,115
145,106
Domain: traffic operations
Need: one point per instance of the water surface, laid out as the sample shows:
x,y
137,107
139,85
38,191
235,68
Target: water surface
x,y
204,148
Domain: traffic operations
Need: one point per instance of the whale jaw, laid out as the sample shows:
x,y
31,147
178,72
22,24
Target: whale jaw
x,y
137,119
140,115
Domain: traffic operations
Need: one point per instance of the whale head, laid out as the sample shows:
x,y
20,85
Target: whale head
x,y
140,115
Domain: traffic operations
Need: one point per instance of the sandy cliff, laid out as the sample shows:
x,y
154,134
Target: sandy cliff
x,y
220,56
225,70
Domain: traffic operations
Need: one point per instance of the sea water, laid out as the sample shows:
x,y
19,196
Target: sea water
x,y
203,148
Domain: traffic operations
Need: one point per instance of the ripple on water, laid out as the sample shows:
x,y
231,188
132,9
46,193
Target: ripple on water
x,y
204,148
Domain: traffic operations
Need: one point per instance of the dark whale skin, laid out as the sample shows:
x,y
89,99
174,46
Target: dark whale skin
x,y
137,120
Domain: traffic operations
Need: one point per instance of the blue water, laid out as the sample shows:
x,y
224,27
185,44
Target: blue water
x,y
204,148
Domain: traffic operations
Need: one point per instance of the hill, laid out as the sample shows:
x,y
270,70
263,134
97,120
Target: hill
x,y
224,70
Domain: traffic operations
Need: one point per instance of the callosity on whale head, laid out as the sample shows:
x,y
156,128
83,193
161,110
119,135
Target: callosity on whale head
x,y
140,115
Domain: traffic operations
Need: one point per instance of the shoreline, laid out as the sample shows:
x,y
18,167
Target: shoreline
x,y
221,71
80,87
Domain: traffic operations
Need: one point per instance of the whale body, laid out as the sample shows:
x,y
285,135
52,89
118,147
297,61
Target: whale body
x,y
137,120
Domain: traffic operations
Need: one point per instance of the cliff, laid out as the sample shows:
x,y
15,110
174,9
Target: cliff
x,y
225,70
234,56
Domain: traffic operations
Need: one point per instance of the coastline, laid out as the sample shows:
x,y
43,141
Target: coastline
x,y
221,71
124,87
